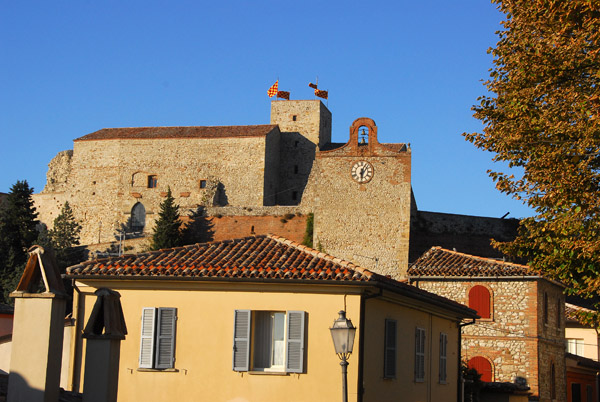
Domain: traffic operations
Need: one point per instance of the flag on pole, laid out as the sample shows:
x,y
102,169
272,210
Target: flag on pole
x,y
273,90
321,94
283,95
314,86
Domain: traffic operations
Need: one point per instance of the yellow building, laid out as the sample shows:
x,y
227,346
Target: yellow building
x,y
248,320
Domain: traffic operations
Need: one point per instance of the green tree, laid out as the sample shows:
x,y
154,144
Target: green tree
x,y
64,237
18,221
542,118
167,230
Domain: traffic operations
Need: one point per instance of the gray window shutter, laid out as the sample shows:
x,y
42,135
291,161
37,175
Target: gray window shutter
x,y
294,345
241,340
389,357
147,338
165,338
417,348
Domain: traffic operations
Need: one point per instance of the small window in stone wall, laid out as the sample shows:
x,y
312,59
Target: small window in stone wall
x,y
202,183
294,117
294,195
295,169
558,313
480,301
296,144
552,381
545,307
152,181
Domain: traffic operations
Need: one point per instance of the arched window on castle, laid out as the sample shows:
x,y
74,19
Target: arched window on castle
x,y
138,218
480,301
483,367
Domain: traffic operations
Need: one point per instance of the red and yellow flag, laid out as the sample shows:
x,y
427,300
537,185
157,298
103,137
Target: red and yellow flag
x,y
273,90
313,86
283,95
321,94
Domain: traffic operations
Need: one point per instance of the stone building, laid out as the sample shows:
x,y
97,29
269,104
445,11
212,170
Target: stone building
x,y
250,179
521,332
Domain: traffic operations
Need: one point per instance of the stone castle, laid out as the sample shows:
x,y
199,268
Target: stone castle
x,y
258,179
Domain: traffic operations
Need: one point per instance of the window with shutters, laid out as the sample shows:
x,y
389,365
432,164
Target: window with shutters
x,y
389,353
480,301
157,343
482,366
419,354
268,341
443,375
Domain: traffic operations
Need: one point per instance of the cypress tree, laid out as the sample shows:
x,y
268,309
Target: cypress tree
x,y
167,230
18,221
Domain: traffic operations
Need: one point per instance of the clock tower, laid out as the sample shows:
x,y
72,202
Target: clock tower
x,y
362,203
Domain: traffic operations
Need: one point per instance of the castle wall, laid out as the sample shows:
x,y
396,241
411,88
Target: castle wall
x,y
305,126
108,177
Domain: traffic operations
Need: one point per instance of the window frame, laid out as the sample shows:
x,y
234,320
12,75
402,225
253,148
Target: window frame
x,y
474,300
244,344
152,181
420,339
157,338
390,349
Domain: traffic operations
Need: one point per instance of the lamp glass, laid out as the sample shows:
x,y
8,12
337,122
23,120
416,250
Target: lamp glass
x,y
343,333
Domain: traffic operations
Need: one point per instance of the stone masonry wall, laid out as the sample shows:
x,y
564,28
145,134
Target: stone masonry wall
x,y
511,340
367,223
108,177
305,126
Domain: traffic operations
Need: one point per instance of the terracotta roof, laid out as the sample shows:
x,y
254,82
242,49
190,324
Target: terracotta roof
x,y
255,258
179,132
441,262
571,311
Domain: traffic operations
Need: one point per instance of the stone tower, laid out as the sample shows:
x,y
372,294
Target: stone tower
x,y
363,199
305,127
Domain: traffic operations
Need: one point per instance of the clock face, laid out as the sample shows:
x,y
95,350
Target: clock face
x,y
362,171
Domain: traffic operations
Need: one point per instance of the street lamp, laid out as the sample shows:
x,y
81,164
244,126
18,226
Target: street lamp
x,y
342,333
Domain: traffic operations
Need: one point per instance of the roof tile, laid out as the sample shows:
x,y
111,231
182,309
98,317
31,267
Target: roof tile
x,y
441,262
179,132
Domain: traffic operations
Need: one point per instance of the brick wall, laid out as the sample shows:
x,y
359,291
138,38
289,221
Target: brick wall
x,y
230,227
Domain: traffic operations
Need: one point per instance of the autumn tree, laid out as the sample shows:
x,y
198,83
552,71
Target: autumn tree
x,y
167,230
542,118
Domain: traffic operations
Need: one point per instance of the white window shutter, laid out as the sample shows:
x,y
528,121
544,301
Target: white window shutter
x,y
389,357
147,337
165,338
294,345
241,340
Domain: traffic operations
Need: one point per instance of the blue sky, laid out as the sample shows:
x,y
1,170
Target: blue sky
x,y
72,67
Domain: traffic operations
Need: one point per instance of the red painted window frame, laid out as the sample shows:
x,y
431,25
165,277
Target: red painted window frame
x,y
483,367
480,300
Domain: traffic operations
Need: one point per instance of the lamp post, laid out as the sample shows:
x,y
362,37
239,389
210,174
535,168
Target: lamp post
x,y
342,333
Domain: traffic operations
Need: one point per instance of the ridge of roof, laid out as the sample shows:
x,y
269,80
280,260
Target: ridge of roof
x,y
159,132
320,254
